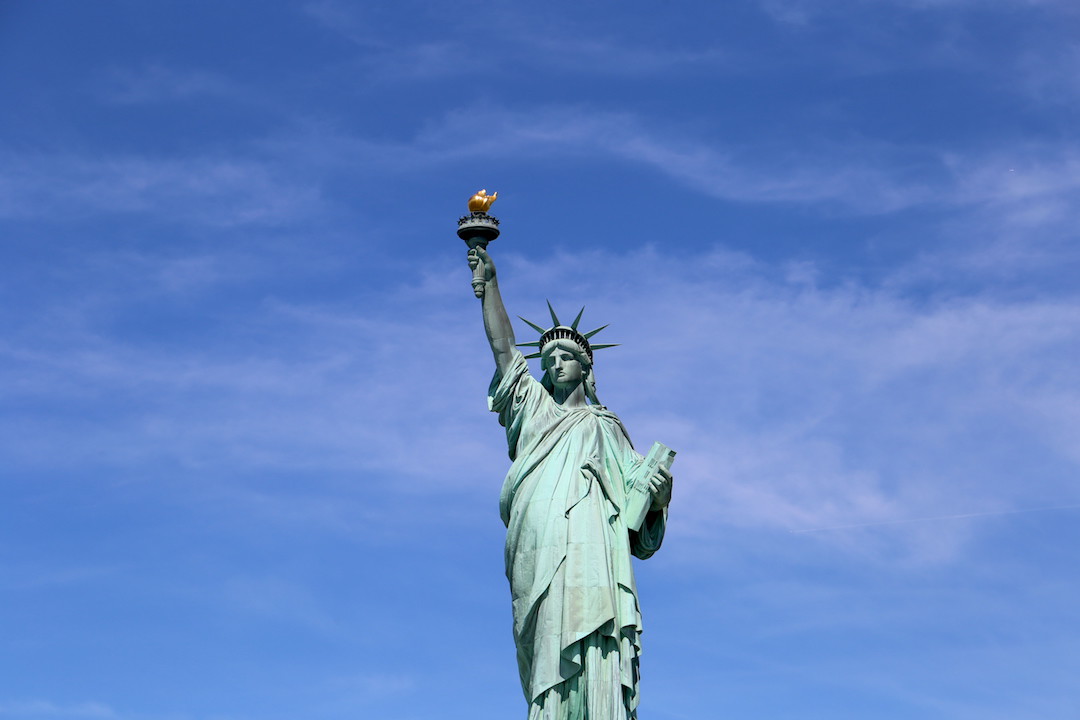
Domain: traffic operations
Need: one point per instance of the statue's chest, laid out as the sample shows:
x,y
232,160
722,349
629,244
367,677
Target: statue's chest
x,y
569,435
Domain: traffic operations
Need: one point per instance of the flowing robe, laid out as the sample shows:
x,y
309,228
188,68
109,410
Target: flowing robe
x,y
577,623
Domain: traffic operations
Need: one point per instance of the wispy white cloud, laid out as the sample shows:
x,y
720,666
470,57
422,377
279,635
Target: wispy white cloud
x,y
801,12
22,578
344,19
224,403
216,191
800,407
793,407
1027,185
384,58
159,83
600,55
1023,174
511,40
373,684
277,599
47,709
868,179
1050,74
1029,181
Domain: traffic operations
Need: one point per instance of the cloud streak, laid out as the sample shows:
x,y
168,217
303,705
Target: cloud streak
x,y
793,407
220,192
802,12
521,40
938,518
156,83
1033,182
1025,187
47,709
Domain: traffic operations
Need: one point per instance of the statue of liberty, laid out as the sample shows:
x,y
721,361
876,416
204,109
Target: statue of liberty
x,y
577,502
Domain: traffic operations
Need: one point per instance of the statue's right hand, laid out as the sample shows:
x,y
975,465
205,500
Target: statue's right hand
x,y
478,258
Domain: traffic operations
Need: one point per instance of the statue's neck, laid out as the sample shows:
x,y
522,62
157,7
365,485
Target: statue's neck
x,y
571,397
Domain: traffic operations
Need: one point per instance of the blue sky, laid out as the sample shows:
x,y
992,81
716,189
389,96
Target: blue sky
x,y
247,468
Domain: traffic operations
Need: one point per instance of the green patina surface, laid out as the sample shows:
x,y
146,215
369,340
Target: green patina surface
x,y
566,502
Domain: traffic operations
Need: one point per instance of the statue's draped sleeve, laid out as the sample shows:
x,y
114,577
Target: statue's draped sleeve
x,y
516,395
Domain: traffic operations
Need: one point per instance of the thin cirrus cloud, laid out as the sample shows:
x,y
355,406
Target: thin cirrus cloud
x,y
157,83
841,178
794,408
239,424
827,352
48,709
863,177
866,178
518,39
802,408
216,191
799,12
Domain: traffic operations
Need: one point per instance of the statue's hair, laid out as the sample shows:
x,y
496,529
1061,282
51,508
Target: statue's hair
x,y
588,376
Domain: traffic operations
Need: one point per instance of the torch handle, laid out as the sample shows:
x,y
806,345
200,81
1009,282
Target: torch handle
x,y
478,271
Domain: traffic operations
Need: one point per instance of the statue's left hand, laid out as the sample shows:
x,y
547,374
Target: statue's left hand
x,y
660,487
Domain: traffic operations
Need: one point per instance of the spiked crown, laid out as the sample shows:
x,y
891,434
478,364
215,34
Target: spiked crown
x,y
558,331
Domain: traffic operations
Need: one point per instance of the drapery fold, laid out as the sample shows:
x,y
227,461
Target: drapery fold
x,y
577,623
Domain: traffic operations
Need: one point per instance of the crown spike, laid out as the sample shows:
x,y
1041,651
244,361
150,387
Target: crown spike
x,y
562,332
554,317
573,325
533,325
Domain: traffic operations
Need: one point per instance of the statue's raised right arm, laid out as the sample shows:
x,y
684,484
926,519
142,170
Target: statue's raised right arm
x,y
500,332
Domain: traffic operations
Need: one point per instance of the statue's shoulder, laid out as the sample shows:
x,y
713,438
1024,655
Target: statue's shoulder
x,y
609,418
604,413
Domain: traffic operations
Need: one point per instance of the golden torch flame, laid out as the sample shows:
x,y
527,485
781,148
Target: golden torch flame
x,y
481,201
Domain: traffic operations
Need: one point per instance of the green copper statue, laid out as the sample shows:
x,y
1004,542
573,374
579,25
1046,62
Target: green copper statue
x,y
577,503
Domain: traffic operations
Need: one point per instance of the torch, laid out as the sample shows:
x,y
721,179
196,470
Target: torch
x,y
477,229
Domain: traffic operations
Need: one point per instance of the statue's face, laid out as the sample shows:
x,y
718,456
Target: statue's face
x,y
563,368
